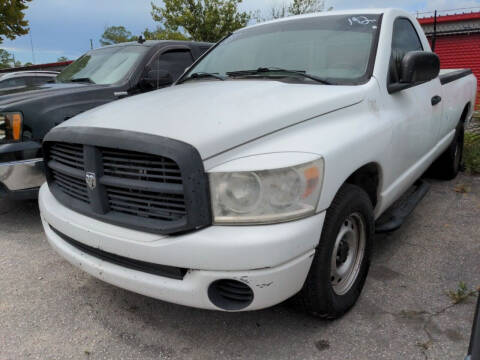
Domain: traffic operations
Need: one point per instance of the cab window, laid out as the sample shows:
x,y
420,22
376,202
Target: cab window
x,y
175,62
13,83
404,39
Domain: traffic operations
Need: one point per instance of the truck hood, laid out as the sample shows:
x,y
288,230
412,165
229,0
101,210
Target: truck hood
x,y
44,91
215,116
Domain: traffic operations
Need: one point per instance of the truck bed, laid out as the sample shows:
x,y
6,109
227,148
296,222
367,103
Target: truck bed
x,y
449,75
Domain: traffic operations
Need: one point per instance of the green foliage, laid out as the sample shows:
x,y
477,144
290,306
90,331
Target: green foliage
x,y
62,59
298,7
461,293
279,12
200,20
162,34
12,19
471,152
116,34
28,64
6,59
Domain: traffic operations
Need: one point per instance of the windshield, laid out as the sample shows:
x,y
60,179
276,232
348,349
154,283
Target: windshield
x,y
337,48
104,66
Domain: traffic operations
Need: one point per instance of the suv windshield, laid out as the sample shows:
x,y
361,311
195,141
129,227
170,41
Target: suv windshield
x,y
104,66
336,47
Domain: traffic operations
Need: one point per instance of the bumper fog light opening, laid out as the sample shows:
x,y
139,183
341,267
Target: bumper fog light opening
x,y
228,294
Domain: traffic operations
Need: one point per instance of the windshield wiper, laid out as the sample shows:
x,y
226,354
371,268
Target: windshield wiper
x,y
263,71
202,75
84,79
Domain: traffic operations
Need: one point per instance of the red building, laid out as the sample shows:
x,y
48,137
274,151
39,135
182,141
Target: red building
x,y
457,40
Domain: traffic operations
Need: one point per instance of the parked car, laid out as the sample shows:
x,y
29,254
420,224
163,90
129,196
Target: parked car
x,y
260,174
24,80
98,77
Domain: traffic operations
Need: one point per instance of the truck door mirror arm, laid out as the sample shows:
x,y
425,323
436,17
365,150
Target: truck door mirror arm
x,y
416,67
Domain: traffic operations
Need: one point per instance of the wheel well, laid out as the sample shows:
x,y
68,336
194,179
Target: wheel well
x,y
368,178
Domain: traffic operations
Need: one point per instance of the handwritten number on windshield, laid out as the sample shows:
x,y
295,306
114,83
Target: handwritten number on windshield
x,y
362,20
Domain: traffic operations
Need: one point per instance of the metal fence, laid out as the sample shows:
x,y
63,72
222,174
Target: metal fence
x,y
458,11
465,26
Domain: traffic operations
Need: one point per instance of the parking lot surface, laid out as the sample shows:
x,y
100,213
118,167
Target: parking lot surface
x,y
51,310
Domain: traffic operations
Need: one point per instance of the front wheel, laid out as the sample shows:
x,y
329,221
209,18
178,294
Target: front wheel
x,y
342,259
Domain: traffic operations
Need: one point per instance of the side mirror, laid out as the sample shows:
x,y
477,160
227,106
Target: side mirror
x,y
416,67
155,79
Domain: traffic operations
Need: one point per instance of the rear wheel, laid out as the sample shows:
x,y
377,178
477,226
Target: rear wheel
x,y
448,165
342,259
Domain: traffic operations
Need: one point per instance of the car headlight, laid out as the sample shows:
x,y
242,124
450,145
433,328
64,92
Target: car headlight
x,y
10,126
266,196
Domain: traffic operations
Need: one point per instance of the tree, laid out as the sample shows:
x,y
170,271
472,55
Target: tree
x,y
161,34
12,19
6,59
298,7
200,20
279,12
62,59
115,35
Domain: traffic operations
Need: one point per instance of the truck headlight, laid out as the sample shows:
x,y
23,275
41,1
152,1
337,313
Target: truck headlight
x,y
266,196
10,126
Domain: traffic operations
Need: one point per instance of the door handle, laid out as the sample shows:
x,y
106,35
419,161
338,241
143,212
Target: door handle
x,y
436,99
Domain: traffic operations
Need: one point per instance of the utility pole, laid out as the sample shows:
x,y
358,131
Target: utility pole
x,y
31,44
434,39
91,44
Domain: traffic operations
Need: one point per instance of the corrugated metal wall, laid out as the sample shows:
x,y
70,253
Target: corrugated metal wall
x,y
458,52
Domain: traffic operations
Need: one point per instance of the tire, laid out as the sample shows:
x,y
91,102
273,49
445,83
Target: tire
x,y
447,166
325,293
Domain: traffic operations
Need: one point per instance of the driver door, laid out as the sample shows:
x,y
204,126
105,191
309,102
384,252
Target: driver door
x,y
414,118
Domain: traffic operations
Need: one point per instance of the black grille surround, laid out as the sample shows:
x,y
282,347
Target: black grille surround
x,y
143,182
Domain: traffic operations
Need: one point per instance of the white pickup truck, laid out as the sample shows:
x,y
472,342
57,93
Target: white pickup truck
x,y
263,172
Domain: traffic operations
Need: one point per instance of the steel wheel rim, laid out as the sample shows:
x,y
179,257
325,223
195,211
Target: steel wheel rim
x,y
348,253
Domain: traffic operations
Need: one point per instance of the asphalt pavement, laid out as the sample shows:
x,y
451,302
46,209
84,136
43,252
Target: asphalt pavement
x,y
51,310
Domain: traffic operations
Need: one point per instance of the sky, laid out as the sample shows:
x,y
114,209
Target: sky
x,y
65,27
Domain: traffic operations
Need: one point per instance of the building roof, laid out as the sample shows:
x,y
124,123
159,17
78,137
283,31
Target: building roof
x,y
450,18
37,67
450,22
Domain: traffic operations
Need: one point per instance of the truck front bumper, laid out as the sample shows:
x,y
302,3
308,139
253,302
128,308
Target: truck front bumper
x,y
271,260
22,178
